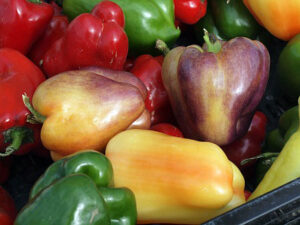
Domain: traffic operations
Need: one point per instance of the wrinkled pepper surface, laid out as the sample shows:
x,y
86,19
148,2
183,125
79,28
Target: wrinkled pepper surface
x,y
249,145
285,168
146,21
174,180
17,75
85,182
289,67
189,11
83,109
23,22
92,39
227,21
280,18
8,210
214,90
148,70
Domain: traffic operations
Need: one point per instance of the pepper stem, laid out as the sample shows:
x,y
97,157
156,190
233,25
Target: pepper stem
x,y
213,44
35,1
162,46
263,155
16,136
35,117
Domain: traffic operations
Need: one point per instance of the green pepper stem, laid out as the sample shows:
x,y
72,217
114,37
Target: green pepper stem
x,y
162,46
213,44
16,136
263,155
35,1
35,117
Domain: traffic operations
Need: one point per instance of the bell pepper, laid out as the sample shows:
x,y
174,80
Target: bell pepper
x,y
285,168
279,17
189,11
167,128
227,21
17,75
146,21
287,125
5,166
174,180
248,145
23,22
215,89
92,39
8,210
83,109
148,70
85,182
55,30
288,68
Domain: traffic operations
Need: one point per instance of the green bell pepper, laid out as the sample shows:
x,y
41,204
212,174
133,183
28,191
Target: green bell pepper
x,y
227,21
288,69
145,21
287,125
79,190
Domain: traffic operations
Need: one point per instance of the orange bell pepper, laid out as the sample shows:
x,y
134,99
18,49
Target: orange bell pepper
x,y
175,180
280,18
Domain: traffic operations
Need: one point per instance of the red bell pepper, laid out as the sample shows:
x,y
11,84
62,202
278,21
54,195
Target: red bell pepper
x,y
148,69
167,128
5,165
91,39
249,145
22,22
17,76
190,11
8,210
55,30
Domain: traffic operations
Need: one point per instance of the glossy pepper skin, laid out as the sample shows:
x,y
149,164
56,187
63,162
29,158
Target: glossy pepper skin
x,y
249,145
91,39
17,75
83,109
148,70
189,181
227,21
167,128
280,18
287,125
189,11
23,22
85,180
215,90
55,30
146,21
288,68
8,210
285,168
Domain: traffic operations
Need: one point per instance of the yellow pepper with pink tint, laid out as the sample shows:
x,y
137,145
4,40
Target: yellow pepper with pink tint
x,y
175,180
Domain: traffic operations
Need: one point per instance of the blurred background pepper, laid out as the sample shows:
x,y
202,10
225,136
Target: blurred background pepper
x,y
8,210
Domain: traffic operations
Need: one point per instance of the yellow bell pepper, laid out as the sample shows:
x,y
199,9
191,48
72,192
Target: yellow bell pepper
x,y
285,168
175,180
279,17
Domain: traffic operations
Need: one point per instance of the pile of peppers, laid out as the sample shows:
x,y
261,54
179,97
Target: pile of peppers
x,y
139,127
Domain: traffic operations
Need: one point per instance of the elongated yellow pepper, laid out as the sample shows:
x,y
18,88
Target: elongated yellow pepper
x,y
285,168
175,180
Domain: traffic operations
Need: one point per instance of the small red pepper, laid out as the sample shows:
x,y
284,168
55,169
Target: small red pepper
x,y
55,30
5,166
167,128
249,145
190,11
148,69
23,22
247,194
91,39
18,75
8,210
